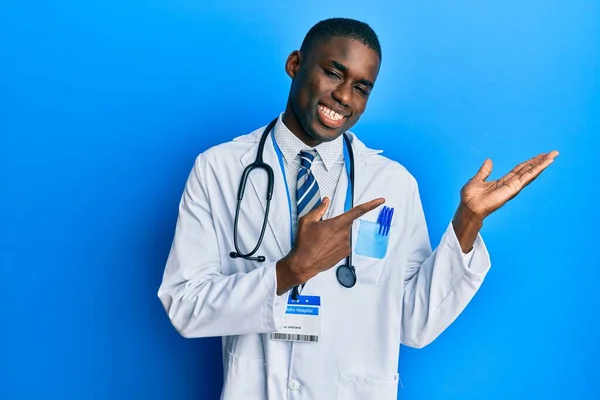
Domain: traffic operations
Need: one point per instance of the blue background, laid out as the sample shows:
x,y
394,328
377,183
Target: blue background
x,y
105,104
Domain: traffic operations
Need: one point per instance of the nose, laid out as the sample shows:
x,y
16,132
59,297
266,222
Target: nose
x,y
342,93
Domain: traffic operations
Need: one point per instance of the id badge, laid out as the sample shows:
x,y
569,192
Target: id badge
x,y
302,320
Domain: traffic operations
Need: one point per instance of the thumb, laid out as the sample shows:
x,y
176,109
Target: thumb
x,y
484,171
317,213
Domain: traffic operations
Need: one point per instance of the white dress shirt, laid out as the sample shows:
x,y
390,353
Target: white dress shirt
x,y
326,167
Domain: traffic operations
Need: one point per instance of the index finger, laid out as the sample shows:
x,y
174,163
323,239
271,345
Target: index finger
x,y
359,210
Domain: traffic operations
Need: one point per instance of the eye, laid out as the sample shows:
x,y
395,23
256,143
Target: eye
x,y
362,90
331,73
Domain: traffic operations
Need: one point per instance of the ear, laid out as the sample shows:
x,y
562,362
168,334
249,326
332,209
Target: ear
x,y
292,64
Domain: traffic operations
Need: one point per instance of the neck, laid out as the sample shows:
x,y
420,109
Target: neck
x,y
292,122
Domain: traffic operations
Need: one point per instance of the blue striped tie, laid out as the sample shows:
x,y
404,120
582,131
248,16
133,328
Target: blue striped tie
x,y
307,188
307,195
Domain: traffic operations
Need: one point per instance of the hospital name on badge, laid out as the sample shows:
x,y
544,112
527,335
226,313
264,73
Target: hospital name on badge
x,y
302,320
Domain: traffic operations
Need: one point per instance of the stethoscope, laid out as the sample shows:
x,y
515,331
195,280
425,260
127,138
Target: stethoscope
x,y
346,274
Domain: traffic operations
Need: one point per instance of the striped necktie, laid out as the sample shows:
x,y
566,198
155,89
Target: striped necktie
x,y
307,188
307,195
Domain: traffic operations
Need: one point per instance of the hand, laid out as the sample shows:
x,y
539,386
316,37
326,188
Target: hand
x,y
483,198
480,198
319,245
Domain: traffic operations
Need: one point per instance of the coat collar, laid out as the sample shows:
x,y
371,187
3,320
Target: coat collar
x,y
291,145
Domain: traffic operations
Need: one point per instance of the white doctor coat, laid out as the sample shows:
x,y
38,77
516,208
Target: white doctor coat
x,y
410,296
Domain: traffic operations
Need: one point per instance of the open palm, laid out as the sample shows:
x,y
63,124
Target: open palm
x,y
484,197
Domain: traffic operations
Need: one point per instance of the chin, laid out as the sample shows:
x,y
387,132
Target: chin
x,y
325,135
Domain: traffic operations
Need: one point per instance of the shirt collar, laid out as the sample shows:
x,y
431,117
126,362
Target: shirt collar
x,y
290,145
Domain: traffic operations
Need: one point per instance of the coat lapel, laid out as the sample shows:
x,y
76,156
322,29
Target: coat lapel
x,y
363,178
339,197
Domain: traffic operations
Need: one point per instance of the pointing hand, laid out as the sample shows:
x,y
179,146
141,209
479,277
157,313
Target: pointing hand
x,y
319,244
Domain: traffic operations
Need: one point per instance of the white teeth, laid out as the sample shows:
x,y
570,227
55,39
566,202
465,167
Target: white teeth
x,y
330,113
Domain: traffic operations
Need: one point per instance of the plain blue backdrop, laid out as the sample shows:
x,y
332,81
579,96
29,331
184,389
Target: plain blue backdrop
x,y
105,104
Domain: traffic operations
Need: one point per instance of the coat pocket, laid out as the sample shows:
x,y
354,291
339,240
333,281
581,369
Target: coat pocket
x,y
244,378
354,387
370,243
369,252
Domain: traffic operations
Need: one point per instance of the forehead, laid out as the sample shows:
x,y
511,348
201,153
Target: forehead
x,y
357,57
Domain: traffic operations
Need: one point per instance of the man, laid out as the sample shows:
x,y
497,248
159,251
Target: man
x,y
296,324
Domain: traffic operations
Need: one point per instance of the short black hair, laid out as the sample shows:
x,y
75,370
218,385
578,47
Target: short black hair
x,y
344,27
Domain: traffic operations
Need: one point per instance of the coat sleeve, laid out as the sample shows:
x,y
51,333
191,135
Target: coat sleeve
x,y
438,285
199,300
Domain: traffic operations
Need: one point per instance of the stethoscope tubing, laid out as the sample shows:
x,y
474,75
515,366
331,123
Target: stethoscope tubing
x,y
346,273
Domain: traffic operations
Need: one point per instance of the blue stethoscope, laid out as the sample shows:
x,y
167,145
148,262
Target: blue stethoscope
x,y
346,274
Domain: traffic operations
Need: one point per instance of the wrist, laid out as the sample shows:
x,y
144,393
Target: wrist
x,y
289,274
464,213
466,226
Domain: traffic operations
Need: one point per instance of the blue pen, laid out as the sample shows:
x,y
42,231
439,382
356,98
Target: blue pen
x,y
386,222
382,219
389,222
383,214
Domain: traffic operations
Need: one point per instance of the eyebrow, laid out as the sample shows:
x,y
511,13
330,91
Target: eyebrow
x,y
343,68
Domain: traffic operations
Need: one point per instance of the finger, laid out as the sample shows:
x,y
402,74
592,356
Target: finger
x,y
519,167
359,210
319,211
544,159
484,171
529,173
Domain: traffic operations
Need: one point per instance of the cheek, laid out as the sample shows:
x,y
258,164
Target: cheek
x,y
318,85
359,106
313,88
304,93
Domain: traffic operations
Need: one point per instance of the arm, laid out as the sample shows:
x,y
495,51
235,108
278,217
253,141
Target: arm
x,y
439,284
198,298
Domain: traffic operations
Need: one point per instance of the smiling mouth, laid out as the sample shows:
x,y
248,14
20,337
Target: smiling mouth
x,y
330,118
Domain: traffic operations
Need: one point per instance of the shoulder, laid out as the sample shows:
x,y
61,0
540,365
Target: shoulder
x,y
233,149
382,167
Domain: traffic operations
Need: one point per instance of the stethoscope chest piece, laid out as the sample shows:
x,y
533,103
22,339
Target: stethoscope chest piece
x,y
346,276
